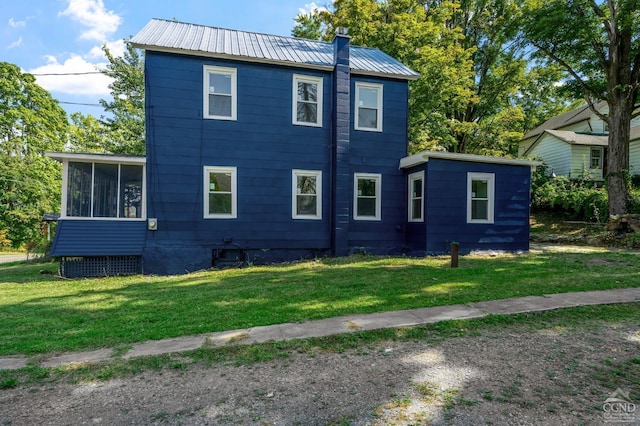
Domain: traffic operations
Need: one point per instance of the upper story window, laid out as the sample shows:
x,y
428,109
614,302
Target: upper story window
x,y
596,158
220,194
220,93
104,190
367,196
480,197
307,194
368,107
307,100
416,197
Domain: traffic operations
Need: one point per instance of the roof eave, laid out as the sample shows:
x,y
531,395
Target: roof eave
x,y
386,75
103,158
424,156
318,67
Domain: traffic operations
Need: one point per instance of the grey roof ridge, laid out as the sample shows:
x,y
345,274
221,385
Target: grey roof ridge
x,y
316,48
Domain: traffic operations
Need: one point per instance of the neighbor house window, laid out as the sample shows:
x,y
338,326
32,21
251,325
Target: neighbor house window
x,y
307,194
220,100
368,107
220,200
307,100
103,190
596,158
367,196
416,197
480,197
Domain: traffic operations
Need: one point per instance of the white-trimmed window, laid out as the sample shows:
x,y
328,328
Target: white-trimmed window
x,y
368,107
416,197
220,93
595,161
480,197
220,194
103,190
306,200
367,196
307,100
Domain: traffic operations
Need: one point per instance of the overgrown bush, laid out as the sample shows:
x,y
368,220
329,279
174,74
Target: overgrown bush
x,y
576,199
4,240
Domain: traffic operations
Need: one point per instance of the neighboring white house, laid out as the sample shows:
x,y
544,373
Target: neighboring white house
x,y
574,144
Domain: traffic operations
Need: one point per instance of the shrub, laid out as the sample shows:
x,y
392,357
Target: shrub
x,y
576,199
4,240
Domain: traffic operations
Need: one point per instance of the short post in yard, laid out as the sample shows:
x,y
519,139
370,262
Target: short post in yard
x,y
454,253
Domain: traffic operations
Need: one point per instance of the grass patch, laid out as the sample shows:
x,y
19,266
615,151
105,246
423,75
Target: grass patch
x,y
570,319
84,314
625,374
554,224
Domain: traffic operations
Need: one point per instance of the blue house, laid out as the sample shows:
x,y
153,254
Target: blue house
x,y
263,148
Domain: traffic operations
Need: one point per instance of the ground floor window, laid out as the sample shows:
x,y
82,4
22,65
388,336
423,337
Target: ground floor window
x,y
596,158
306,194
220,200
416,197
104,190
480,197
367,196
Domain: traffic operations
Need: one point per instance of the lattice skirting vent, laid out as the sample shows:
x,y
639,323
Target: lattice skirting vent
x,y
100,266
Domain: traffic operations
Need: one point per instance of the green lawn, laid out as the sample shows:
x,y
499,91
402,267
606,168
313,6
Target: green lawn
x,y
42,313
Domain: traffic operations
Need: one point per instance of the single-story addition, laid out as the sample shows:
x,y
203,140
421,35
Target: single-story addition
x,y
264,149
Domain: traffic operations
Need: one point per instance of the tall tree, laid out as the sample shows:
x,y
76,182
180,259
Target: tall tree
x,y
309,25
31,123
488,28
597,43
542,95
470,68
88,134
127,119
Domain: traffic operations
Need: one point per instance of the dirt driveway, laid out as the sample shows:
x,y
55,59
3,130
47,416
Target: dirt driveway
x,y
509,377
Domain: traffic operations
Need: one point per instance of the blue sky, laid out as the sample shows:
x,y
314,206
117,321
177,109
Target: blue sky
x,y
65,36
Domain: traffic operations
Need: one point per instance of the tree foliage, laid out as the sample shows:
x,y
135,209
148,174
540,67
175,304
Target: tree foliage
x,y
470,96
88,134
31,123
126,123
597,44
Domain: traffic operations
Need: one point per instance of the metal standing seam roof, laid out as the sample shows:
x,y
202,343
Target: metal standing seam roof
x,y
178,37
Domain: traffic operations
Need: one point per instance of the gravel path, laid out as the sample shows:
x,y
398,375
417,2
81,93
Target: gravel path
x,y
510,377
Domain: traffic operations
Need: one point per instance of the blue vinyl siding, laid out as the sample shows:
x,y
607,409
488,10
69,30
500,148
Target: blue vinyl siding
x,y
378,152
446,207
263,144
99,238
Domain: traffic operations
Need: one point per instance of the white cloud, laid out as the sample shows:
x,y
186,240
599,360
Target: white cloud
x,y
116,48
311,7
92,14
16,43
16,24
75,81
